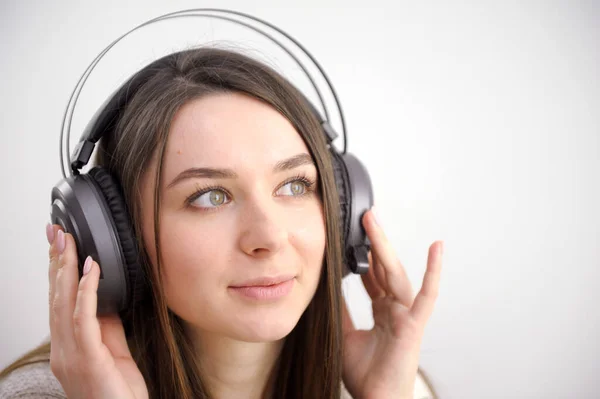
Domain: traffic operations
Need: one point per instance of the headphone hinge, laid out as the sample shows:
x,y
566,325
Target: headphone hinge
x,y
81,155
329,131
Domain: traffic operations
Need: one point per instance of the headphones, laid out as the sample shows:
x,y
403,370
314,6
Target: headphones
x,y
91,207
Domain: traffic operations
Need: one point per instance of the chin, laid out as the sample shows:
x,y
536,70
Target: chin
x,y
266,329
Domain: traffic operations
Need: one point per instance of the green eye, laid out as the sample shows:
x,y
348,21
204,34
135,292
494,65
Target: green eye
x,y
295,188
217,197
210,199
298,187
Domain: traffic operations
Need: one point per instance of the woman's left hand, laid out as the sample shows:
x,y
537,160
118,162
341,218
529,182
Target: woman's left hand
x,y
383,362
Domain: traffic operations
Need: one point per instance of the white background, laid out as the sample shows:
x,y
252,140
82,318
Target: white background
x,y
479,124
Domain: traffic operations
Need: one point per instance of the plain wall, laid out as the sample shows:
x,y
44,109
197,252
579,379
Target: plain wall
x,y
478,122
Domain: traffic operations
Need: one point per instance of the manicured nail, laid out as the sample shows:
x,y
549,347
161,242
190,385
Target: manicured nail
x,y
50,233
60,241
87,266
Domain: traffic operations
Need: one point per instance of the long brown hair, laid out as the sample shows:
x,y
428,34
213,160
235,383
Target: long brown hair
x,y
310,363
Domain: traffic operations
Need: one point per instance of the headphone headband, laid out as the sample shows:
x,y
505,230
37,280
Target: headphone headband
x,y
96,127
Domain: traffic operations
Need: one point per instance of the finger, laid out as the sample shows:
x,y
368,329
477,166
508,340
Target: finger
x,y
396,280
51,230
53,254
113,336
65,290
86,328
372,286
347,324
425,300
379,273
51,234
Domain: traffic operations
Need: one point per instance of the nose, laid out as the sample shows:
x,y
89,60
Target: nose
x,y
263,231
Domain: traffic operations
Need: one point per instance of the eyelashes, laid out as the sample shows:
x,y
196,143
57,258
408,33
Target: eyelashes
x,y
309,188
308,184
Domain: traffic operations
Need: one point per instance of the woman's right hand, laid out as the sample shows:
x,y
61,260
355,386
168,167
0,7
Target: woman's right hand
x,y
89,355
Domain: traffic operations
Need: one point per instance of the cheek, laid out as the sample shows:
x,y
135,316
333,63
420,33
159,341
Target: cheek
x,y
191,257
194,267
307,236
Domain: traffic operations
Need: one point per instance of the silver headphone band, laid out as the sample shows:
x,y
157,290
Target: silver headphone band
x,y
200,12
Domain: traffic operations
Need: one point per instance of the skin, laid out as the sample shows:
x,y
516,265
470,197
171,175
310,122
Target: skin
x,y
257,226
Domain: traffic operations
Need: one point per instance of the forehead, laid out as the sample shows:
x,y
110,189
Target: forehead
x,y
229,130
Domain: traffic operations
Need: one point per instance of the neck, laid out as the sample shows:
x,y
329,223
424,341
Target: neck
x,y
236,369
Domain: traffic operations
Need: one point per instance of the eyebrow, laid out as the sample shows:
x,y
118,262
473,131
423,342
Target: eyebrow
x,y
218,173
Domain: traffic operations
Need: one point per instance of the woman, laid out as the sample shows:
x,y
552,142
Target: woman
x,y
230,187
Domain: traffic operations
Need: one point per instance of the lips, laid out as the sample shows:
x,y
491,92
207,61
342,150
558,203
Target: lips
x,y
263,281
264,288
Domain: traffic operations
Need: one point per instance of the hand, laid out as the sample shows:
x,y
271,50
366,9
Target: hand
x,y
89,355
383,362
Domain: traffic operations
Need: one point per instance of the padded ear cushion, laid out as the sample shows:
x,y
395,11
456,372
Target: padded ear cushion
x,y
118,209
343,188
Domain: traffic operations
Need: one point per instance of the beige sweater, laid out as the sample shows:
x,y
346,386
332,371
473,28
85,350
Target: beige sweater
x,y
33,381
36,381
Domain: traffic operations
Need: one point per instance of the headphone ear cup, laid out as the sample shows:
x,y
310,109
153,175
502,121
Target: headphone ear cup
x,y
84,210
355,193
117,207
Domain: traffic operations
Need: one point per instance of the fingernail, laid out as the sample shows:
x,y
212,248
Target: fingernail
x,y
87,266
60,241
50,233
441,248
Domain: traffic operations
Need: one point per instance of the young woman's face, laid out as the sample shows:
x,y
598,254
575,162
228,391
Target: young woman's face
x,y
239,213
